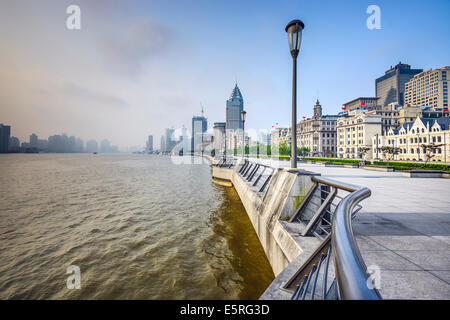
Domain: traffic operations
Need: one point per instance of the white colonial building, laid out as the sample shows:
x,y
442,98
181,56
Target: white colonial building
x,y
355,132
411,139
318,134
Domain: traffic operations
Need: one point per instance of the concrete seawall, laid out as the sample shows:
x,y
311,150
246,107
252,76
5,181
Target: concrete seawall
x,y
269,213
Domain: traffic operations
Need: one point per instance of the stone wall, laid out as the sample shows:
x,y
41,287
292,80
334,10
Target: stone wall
x,y
285,192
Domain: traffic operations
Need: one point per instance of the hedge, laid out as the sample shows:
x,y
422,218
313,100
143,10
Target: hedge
x,y
412,165
331,160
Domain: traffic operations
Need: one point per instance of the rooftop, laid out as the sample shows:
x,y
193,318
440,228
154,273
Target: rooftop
x,y
236,93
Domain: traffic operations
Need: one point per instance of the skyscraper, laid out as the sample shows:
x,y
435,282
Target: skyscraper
x,y
5,133
14,144
235,105
199,127
391,87
219,137
34,141
163,144
91,146
429,88
150,144
105,146
169,140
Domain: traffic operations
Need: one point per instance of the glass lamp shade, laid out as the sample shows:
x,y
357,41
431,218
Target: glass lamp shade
x,y
243,114
294,30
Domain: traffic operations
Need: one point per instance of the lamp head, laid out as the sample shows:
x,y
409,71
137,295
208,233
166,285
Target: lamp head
x,y
294,30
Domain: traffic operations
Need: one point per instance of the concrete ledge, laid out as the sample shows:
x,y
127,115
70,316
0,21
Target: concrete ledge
x,y
222,173
375,168
423,174
349,165
333,164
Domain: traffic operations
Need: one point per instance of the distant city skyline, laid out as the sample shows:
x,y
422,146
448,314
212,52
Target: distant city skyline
x,y
152,67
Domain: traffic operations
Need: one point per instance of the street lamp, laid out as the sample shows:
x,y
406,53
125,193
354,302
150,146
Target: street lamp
x,y
294,30
243,114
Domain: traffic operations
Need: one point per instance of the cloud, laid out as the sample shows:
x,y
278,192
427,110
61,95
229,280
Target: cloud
x,y
75,91
129,48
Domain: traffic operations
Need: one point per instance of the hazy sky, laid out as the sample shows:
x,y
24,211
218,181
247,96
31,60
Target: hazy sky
x,y
137,67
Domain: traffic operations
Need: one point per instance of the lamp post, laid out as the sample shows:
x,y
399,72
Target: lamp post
x,y
243,114
294,30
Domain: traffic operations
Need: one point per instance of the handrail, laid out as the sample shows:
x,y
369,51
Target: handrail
x,y
251,169
350,268
349,265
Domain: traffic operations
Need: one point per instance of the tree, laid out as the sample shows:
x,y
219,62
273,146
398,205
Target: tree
x,y
386,150
328,153
362,151
284,149
430,150
303,152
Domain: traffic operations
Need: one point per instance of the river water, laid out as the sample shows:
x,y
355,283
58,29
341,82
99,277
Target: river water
x,y
137,226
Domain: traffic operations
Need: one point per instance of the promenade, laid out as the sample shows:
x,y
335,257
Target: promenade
x,y
403,228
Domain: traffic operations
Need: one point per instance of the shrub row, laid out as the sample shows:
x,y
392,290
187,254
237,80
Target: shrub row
x,y
331,160
412,165
394,164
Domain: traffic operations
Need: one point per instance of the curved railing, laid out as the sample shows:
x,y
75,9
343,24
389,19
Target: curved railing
x,y
351,279
351,271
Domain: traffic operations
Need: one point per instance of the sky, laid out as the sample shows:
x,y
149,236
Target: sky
x,y
137,67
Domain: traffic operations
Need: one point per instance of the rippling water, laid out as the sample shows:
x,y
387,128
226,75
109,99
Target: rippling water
x,y
138,226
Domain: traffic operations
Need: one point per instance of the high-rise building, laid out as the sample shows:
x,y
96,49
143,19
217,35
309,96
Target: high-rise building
x,y
391,87
5,133
163,144
34,141
105,146
235,105
79,145
14,144
429,88
169,142
199,127
42,144
150,143
219,137
91,146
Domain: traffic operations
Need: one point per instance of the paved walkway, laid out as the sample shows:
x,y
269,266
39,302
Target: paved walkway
x,y
404,228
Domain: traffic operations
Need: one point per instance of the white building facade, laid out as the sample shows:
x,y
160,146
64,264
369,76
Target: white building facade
x,y
412,137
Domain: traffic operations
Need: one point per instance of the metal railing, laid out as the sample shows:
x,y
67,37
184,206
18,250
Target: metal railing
x,y
226,163
257,175
347,277
336,269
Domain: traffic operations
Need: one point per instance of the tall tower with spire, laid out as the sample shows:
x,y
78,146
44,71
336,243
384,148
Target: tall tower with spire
x,y
235,105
